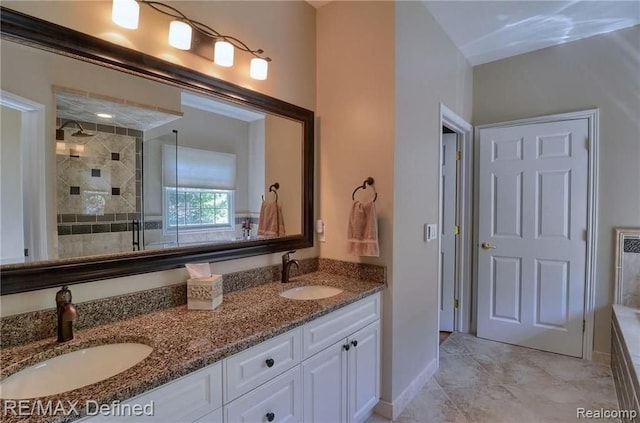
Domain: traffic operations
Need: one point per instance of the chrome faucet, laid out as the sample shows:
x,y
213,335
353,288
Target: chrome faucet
x,y
67,314
286,265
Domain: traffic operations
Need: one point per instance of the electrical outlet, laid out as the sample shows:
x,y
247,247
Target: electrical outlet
x,y
320,230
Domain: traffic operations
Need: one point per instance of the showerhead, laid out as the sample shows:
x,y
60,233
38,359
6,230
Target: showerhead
x,y
79,133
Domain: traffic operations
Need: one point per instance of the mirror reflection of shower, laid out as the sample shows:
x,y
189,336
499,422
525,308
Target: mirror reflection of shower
x,y
99,172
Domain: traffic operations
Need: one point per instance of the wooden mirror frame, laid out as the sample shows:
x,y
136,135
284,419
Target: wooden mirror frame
x,y
44,35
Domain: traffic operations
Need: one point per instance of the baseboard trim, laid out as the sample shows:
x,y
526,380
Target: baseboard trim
x,y
601,357
392,410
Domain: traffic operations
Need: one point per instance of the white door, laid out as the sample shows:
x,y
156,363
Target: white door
x,y
532,231
364,372
324,381
448,236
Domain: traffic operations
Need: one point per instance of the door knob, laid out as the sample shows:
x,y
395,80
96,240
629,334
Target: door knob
x,y
488,246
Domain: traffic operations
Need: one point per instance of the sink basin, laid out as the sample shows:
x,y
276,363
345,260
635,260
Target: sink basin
x,y
73,370
310,292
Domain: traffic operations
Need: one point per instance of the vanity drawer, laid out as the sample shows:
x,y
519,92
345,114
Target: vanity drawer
x,y
183,400
256,365
278,401
329,329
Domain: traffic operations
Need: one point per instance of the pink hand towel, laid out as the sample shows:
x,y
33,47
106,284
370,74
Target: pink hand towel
x,y
271,222
362,233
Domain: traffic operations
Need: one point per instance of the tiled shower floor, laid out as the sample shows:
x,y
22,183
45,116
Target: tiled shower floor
x,y
481,381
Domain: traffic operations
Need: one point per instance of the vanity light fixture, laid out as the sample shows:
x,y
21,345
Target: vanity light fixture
x,y
126,13
258,68
180,35
223,53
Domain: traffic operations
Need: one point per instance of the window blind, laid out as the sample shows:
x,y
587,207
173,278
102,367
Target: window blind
x,y
196,168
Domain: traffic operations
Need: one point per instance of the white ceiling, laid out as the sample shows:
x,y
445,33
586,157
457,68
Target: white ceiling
x,y
485,31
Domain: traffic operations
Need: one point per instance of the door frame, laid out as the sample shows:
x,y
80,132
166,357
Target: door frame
x,y
464,248
32,137
593,117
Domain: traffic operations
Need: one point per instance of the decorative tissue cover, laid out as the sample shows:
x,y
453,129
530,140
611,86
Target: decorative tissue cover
x,y
204,293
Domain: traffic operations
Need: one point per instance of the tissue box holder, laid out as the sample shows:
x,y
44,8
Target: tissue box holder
x,y
204,293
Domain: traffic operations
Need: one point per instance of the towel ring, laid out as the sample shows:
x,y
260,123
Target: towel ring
x,y
369,181
274,189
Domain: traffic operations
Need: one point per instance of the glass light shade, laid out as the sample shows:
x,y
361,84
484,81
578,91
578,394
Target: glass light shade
x,y
180,35
259,68
223,54
125,13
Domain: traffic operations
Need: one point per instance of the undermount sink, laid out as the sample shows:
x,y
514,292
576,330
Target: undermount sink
x,y
310,292
73,370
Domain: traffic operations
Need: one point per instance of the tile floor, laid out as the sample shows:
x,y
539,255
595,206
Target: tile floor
x,y
481,381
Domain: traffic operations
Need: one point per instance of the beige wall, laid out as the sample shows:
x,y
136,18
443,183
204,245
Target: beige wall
x,y
383,69
429,70
285,30
11,235
355,90
603,72
283,164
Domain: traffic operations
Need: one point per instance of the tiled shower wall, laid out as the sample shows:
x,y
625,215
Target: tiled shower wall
x,y
99,188
631,272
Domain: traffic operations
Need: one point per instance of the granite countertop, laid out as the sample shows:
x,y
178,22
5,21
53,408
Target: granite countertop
x,y
186,340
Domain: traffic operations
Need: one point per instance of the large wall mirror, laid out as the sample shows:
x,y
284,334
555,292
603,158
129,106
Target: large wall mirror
x,y
117,163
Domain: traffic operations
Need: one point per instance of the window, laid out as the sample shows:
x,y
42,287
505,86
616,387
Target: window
x,y
198,188
198,208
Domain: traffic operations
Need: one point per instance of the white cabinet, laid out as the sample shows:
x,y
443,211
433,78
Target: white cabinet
x,y
260,363
324,382
364,372
342,383
213,417
186,399
277,401
327,371
327,330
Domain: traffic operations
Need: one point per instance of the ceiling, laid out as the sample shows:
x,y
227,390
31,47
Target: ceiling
x,y
84,106
486,31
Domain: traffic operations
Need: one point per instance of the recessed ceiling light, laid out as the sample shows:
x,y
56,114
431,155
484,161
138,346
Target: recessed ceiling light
x,y
104,115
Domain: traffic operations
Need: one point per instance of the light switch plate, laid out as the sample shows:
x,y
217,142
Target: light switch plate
x,y
430,232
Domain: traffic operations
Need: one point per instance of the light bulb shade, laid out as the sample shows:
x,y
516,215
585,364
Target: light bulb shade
x,y
223,53
259,68
125,13
180,35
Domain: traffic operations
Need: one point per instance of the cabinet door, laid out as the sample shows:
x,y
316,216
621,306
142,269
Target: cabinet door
x,y
213,417
324,381
327,330
277,401
364,372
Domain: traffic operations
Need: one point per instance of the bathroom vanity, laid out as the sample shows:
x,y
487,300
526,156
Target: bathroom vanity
x,y
258,357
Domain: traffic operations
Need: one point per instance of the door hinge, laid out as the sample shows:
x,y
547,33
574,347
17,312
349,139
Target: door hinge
x,y
26,252
456,230
455,303
583,324
458,155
